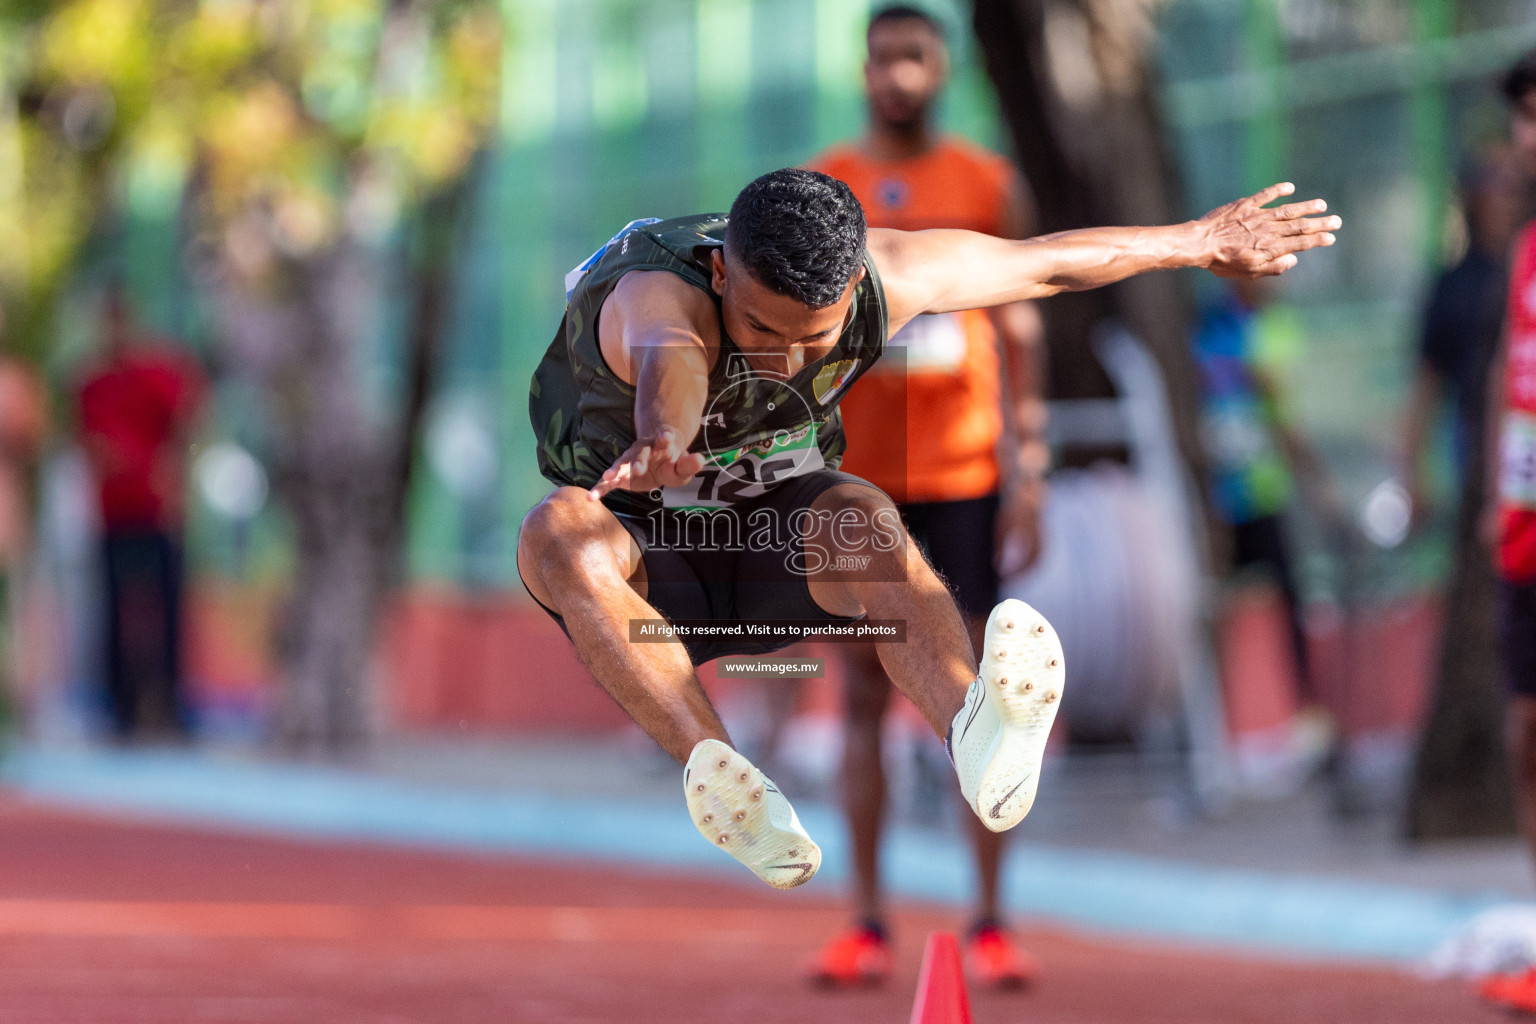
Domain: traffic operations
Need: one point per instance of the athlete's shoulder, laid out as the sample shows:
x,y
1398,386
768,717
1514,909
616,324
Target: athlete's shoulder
x,y
656,291
668,276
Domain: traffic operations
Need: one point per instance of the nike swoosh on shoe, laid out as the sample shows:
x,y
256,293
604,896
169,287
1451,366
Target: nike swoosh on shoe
x,y
997,808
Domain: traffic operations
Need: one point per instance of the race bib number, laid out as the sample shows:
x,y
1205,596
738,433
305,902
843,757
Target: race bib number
x,y
930,342
1517,473
749,471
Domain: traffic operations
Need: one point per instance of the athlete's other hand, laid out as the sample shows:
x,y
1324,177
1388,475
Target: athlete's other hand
x,y
1247,239
650,463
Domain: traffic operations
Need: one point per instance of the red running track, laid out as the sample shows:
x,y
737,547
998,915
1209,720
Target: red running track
x,y
114,921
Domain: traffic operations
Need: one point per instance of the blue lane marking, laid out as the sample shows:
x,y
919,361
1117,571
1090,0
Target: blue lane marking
x,y
1117,892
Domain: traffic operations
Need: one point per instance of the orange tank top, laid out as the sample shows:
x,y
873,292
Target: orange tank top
x,y
943,368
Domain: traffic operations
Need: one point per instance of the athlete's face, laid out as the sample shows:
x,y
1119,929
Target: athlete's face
x,y
906,69
778,334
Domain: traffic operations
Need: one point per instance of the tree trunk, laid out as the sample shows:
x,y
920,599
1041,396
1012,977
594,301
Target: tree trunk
x,y
342,470
1461,783
297,345
1075,86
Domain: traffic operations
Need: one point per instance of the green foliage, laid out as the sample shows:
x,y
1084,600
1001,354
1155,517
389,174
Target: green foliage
x,y
299,121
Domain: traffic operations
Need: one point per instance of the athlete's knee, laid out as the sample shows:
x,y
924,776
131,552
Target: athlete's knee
x,y
864,497
557,517
859,518
564,531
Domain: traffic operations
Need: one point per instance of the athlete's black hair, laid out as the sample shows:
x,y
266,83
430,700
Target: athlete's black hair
x,y
1520,79
800,233
905,12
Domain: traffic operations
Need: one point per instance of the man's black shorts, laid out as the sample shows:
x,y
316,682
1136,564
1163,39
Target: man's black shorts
x,y
1517,635
699,568
957,538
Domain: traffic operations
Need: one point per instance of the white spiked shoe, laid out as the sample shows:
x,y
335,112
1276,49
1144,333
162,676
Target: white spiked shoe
x,y
738,809
997,741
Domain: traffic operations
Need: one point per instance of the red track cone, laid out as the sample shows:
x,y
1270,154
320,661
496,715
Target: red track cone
x,y
941,997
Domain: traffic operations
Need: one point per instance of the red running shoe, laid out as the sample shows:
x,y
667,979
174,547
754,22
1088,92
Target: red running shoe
x,y
1511,991
995,961
858,957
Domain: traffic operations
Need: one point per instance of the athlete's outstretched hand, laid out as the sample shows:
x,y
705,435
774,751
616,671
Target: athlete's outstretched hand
x,y
648,464
1248,239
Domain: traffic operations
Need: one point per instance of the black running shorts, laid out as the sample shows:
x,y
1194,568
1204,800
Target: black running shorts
x,y
719,567
957,537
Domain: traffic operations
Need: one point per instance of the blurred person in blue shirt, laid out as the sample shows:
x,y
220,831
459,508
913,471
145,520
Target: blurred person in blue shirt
x,y
1244,346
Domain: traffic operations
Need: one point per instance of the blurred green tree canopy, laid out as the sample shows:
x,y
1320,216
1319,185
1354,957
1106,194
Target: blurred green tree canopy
x,y
296,120
312,160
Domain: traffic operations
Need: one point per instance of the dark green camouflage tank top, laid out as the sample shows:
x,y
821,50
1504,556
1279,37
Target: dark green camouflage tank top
x,y
758,429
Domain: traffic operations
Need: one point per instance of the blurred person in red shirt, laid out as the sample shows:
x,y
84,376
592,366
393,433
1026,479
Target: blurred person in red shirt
x,y
966,392
1512,470
1510,524
135,412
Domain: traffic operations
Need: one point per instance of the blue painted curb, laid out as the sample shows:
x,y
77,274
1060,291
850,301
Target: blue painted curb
x,y
1126,893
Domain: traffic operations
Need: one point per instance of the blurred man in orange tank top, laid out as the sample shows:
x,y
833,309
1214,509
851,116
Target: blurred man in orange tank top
x,y
969,477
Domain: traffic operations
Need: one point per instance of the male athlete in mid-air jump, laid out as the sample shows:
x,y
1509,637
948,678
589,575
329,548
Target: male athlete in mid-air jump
x,y
687,412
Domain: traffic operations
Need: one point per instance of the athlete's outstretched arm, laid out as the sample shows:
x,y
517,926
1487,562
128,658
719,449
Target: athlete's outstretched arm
x,y
940,271
649,337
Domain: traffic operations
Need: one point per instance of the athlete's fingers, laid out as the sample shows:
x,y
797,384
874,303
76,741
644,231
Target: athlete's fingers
x,y
669,448
677,472
602,487
662,470
1309,225
1256,265
1291,211
1312,225
1279,245
667,443
1277,266
1269,195
1303,242
615,476
662,462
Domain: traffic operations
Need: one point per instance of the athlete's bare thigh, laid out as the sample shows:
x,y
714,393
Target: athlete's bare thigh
x,y
559,534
